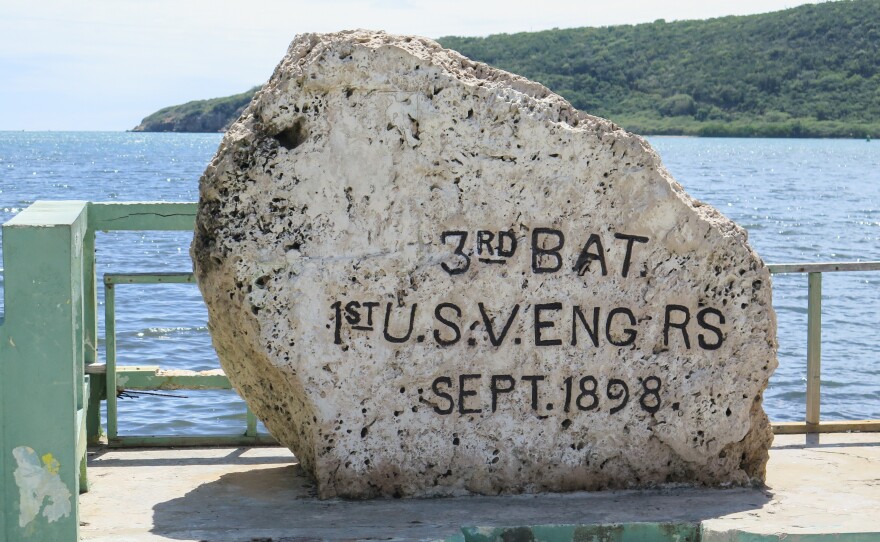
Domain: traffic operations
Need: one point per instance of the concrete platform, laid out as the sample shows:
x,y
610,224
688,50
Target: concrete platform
x,y
818,487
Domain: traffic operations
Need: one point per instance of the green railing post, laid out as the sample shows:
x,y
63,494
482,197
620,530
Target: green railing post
x,y
90,336
814,348
251,430
42,394
110,347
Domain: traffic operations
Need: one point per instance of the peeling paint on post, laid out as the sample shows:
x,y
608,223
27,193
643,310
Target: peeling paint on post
x,y
38,483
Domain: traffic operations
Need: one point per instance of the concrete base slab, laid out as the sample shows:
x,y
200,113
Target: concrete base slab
x,y
817,485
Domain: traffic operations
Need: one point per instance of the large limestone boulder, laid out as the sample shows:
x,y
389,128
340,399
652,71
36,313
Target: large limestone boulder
x,y
430,277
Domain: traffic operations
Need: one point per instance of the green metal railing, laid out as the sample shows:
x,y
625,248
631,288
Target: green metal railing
x,y
51,383
813,424
155,378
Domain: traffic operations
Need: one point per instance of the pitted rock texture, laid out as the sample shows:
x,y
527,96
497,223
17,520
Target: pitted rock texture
x,y
431,277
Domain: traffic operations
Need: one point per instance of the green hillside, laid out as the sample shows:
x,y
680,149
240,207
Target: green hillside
x,y
213,115
813,70
810,71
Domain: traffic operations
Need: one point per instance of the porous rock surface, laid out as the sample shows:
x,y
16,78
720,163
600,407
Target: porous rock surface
x,y
431,277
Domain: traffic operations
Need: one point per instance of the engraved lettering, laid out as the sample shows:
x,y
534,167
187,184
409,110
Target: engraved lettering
x,y
464,393
435,387
487,323
540,252
682,325
496,389
593,331
719,337
465,262
449,323
586,257
630,240
534,379
540,324
629,332
387,334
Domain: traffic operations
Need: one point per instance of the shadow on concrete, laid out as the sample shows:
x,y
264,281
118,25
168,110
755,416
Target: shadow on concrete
x,y
136,460
831,440
279,504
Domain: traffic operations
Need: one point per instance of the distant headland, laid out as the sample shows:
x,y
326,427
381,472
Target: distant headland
x,y
809,71
213,115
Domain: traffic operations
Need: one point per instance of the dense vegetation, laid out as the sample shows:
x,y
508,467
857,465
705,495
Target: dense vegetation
x,y
213,115
813,70
810,71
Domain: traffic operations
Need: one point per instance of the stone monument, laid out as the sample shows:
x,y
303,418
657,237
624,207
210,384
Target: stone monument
x,y
428,276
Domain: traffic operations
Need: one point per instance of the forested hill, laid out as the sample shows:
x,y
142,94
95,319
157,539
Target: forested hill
x,y
812,70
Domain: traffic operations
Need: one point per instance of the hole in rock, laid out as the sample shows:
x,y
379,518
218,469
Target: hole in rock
x,y
294,136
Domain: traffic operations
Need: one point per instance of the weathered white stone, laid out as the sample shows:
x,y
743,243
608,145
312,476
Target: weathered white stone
x,y
473,368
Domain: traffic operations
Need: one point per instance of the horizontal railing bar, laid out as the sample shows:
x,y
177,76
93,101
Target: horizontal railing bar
x,y
828,267
184,277
186,441
173,380
151,377
148,216
775,268
797,428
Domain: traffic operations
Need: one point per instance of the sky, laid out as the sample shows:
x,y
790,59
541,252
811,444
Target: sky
x,y
106,64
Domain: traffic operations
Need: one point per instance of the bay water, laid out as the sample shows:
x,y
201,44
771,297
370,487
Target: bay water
x,y
802,200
